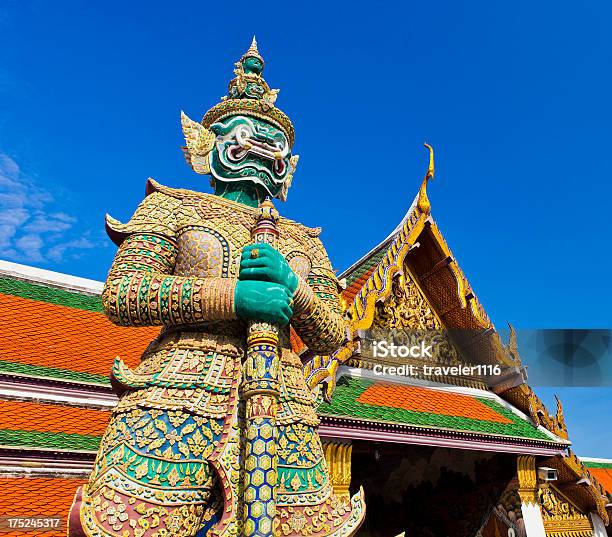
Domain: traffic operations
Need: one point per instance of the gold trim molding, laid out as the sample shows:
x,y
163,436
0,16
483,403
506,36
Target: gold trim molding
x,y
338,458
528,479
561,517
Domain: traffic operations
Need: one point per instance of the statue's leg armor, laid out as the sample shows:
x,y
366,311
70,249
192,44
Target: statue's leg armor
x,y
227,521
75,529
227,463
306,503
157,468
149,475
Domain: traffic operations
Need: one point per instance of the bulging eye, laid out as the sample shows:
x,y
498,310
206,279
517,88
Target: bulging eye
x,y
243,133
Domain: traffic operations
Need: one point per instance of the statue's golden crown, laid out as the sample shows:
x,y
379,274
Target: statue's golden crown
x,y
248,93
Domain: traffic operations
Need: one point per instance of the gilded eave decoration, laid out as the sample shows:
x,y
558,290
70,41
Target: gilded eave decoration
x,y
524,398
579,485
562,518
360,313
372,298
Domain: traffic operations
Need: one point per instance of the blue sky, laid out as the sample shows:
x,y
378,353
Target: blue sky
x,y
514,97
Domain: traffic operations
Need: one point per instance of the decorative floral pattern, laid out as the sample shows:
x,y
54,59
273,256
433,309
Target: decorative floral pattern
x,y
172,455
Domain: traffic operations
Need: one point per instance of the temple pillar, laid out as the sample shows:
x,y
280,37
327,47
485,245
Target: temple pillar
x,y
599,530
528,491
338,458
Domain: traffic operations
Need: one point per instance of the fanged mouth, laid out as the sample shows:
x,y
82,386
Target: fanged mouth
x,y
274,153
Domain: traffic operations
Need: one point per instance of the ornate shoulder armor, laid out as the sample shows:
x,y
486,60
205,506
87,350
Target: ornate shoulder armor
x,y
155,214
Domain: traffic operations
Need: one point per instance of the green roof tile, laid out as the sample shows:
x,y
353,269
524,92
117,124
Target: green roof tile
x,y
35,439
605,465
366,265
18,368
344,404
52,295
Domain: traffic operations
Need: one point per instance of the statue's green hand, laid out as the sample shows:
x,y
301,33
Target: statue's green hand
x,y
263,301
266,264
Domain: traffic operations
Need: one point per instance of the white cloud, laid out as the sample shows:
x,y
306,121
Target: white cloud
x,y
43,223
9,167
32,229
56,253
30,246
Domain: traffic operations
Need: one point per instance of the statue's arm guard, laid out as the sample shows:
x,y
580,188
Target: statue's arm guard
x,y
317,316
141,290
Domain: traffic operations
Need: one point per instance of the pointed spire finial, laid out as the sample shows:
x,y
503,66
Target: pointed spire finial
x,y
253,52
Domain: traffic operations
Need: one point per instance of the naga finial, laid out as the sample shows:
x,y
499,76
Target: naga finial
x,y
423,202
559,407
560,416
512,351
430,169
512,341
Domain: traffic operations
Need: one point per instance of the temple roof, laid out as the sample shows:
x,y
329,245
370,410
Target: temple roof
x,y
58,337
54,329
416,244
416,248
50,426
416,253
602,470
412,411
45,497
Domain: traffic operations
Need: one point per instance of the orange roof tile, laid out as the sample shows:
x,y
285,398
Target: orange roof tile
x,y
432,401
37,497
52,418
351,291
604,476
45,334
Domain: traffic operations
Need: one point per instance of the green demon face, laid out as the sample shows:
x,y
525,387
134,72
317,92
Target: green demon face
x,y
252,150
251,64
